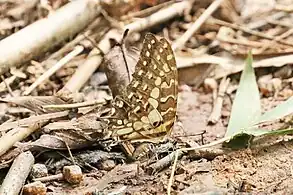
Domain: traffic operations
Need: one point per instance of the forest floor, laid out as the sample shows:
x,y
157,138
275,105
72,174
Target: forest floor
x,y
214,53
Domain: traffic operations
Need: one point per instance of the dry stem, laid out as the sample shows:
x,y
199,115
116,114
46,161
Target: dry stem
x,y
93,62
218,103
159,17
17,174
179,43
83,72
247,30
39,37
78,49
17,134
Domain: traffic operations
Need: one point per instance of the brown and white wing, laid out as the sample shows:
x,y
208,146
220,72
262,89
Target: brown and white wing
x,y
149,104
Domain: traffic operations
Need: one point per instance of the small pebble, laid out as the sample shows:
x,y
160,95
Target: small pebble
x,y
72,174
108,165
35,188
38,170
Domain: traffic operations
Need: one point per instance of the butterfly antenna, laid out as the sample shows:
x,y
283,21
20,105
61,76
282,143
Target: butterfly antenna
x,y
123,52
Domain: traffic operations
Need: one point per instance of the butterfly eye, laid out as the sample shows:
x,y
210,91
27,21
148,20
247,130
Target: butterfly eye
x,y
157,123
138,112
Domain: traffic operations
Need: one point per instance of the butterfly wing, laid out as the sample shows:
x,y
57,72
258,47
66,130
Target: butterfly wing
x,y
148,108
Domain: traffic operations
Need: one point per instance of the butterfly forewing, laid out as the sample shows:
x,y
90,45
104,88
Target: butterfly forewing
x,y
147,110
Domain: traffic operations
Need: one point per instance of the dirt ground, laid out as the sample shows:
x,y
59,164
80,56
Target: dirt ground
x,y
214,52
262,169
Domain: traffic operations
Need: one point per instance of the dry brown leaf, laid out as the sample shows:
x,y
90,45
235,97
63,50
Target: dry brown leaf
x,y
32,120
35,103
118,8
82,129
118,73
49,142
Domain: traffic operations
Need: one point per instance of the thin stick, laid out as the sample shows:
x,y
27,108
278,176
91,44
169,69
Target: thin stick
x,y
280,23
218,103
50,178
70,153
78,49
240,42
179,43
147,11
8,80
31,120
273,43
74,105
68,46
17,174
247,30
43,35
260,23
84,71
159,17
7,86
178,152
162,163
18,134
285,8
91,64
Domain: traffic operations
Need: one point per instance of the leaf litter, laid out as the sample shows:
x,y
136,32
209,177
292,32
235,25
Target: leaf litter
x,y
66,123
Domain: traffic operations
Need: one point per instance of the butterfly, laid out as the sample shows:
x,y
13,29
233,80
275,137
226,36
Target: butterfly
x,y
146,110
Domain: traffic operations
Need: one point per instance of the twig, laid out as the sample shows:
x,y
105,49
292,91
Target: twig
x,y
245,42
43,35
53,69
218,103
207,153
247,30
17,174
83,73
185,62
74,105
18,134
161,16
285,8
72,174
8,81
147,11
280,23
31,120
70,153
260,23
50,178
162,163
272,44
178,152
279,61
179,43
74,42
7,86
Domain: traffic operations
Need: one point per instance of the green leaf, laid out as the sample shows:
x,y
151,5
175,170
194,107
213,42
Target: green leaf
x,y
244,138
280,132
240,140
246,107
278,112
255,132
